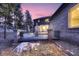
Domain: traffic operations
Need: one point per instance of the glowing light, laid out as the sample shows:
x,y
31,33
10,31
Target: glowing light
x,y
46,20
43,27
74,17
77,8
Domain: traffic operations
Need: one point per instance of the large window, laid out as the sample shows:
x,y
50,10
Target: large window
x,y
47,20
43,28
73,15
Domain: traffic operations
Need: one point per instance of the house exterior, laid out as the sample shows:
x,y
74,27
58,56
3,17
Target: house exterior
x,y
64,23
41,25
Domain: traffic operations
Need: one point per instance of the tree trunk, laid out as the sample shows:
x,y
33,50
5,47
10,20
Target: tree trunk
x,y
5,29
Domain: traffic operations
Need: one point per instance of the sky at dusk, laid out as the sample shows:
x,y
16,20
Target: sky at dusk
x,y
38,10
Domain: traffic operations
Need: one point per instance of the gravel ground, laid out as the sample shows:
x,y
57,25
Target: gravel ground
x,y
44,49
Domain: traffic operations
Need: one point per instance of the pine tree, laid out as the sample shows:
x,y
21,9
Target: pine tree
x,y
5,10
28,22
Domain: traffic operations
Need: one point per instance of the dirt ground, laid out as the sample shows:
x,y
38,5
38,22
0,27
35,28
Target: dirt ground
x,y
44,49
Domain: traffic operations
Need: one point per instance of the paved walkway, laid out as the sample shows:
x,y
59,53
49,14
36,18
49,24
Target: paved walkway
x,y
70,49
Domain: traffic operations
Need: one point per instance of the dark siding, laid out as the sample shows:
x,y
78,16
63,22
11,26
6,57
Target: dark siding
x,y
60,23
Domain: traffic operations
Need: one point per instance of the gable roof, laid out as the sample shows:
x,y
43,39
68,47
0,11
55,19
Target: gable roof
x,y
42,18
59,10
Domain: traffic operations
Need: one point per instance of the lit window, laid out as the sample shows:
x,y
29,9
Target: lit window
x,y
43,27
46,20
73,21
